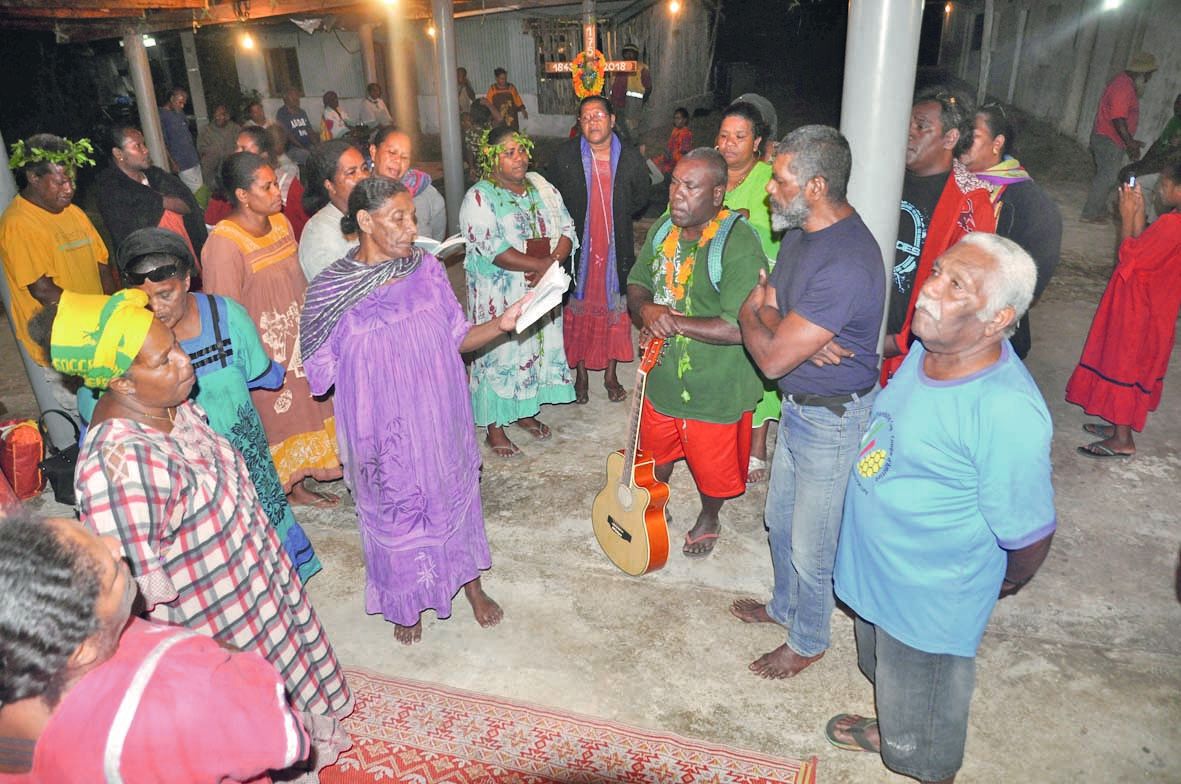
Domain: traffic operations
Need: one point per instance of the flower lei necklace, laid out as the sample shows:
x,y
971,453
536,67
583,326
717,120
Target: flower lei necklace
x,y
678,272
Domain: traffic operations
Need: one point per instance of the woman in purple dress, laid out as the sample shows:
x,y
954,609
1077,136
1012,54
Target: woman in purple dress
x,y
382,324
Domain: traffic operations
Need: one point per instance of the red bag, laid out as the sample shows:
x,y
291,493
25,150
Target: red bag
x,y
21,451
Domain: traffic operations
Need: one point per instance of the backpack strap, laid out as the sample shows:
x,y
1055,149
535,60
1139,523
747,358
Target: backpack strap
x,y
717,245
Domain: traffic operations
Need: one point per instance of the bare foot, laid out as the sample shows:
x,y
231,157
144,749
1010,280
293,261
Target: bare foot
x,y
408,635
487,611
782,662
751,611
301,496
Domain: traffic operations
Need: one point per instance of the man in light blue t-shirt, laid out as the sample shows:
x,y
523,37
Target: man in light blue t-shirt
x,y
949,507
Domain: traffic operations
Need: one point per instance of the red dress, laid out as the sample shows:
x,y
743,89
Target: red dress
x,y
1122,370
593,333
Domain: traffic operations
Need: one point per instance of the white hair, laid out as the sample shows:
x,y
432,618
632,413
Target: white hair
x,y
1012,280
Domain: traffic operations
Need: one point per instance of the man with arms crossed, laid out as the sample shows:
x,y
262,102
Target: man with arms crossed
x,y
828,283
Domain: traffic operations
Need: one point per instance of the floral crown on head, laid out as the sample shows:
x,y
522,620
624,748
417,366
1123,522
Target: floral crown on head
x,y
74,155
490,153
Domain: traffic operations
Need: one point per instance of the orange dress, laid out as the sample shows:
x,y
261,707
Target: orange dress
x,y
263,274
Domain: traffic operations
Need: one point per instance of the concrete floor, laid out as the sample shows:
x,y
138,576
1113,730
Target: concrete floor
x,y
1078,676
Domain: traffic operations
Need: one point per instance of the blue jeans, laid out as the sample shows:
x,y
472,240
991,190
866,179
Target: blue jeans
x,y
813,456
922,702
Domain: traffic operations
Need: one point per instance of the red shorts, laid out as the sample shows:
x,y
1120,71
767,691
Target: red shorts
x,y
718,455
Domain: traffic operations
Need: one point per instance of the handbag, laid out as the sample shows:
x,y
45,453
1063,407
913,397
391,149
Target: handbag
x,y
21,449
58,464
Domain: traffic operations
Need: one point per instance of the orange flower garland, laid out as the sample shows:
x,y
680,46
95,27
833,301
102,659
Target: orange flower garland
x,y
588,73
676,278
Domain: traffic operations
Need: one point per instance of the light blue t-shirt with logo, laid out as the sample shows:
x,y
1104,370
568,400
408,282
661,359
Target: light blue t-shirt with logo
x,y
950,475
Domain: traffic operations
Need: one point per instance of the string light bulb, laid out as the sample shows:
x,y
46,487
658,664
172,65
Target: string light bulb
x,y
947,9
674,7
431,31
247,41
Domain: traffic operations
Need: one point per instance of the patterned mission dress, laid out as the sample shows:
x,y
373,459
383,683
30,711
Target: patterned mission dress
x,y
201,548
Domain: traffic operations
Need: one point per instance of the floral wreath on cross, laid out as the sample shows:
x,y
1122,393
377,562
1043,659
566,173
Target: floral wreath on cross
x,y
489,154
76,154
588,70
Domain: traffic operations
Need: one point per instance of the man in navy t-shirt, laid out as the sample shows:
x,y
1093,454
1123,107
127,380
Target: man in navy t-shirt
x,y
949,508
301,137
829,282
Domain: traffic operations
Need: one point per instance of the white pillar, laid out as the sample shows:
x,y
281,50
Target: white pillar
x,y
188,45
399,63
969,22
985,53
145,97
59,431
450,136
881,57
1021,19
1084,46
368,56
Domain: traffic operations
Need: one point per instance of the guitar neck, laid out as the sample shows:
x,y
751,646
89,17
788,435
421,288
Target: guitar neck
x,y
633,435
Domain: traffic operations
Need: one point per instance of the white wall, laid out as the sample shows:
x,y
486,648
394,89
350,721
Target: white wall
x,y
327,61
1052,44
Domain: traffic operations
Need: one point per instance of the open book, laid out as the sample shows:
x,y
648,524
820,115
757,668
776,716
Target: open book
x,y
547,295
453,244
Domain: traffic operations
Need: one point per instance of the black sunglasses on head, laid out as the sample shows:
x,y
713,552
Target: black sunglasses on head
x,y
156,275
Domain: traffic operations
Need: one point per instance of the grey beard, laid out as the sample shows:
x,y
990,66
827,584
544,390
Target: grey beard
x,y
790,217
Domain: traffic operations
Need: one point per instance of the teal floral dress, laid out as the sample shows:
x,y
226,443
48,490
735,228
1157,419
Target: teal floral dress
x,y
511,378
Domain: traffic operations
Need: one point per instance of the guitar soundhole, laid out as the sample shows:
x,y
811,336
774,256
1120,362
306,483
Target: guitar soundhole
x,y
619,530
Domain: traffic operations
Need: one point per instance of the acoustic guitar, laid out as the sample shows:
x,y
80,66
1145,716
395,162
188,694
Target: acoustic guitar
x,y
628,513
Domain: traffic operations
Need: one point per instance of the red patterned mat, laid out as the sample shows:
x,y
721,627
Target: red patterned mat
x,y
421,733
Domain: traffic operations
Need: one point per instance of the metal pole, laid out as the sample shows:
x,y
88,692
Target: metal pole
x,y
145,97
881,58
59,431
368,57
1088,27
188,45
1021,19
985,53
450,137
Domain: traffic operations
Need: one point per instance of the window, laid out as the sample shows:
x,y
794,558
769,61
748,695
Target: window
x,y
558,41
283,71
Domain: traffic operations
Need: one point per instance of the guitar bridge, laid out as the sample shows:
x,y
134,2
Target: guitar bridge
x,y
619,530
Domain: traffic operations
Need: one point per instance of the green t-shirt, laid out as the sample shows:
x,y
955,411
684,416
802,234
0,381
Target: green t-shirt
x,y
698,380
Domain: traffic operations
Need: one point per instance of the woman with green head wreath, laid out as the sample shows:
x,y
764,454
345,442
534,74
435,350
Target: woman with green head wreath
x,y
516,227
179,498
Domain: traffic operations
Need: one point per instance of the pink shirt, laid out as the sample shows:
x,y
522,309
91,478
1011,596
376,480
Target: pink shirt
x,y
1119,100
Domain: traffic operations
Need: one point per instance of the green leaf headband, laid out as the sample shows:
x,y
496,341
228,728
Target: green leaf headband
x,y
76,154
490,153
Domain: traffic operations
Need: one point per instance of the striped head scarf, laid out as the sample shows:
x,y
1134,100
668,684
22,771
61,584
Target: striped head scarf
x,y
97,337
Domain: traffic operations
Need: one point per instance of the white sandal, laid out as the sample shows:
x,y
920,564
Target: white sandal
x,y
756,464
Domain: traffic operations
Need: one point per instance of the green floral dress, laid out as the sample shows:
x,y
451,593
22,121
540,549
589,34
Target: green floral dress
x,y
512,377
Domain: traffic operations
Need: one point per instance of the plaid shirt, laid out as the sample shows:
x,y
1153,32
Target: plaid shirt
x,y
201,549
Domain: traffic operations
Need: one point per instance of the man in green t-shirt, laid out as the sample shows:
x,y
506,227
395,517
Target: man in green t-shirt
x,y
700,398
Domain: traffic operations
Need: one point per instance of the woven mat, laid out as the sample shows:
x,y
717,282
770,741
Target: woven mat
x,y
406,731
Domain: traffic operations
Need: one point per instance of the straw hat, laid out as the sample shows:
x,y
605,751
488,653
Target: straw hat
x,y
1141,62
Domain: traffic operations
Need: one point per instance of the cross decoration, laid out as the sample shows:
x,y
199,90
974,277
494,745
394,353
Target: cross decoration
x,y
589,29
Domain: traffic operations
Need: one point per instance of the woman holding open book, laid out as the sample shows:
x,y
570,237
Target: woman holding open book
x,y
383,326
516,227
